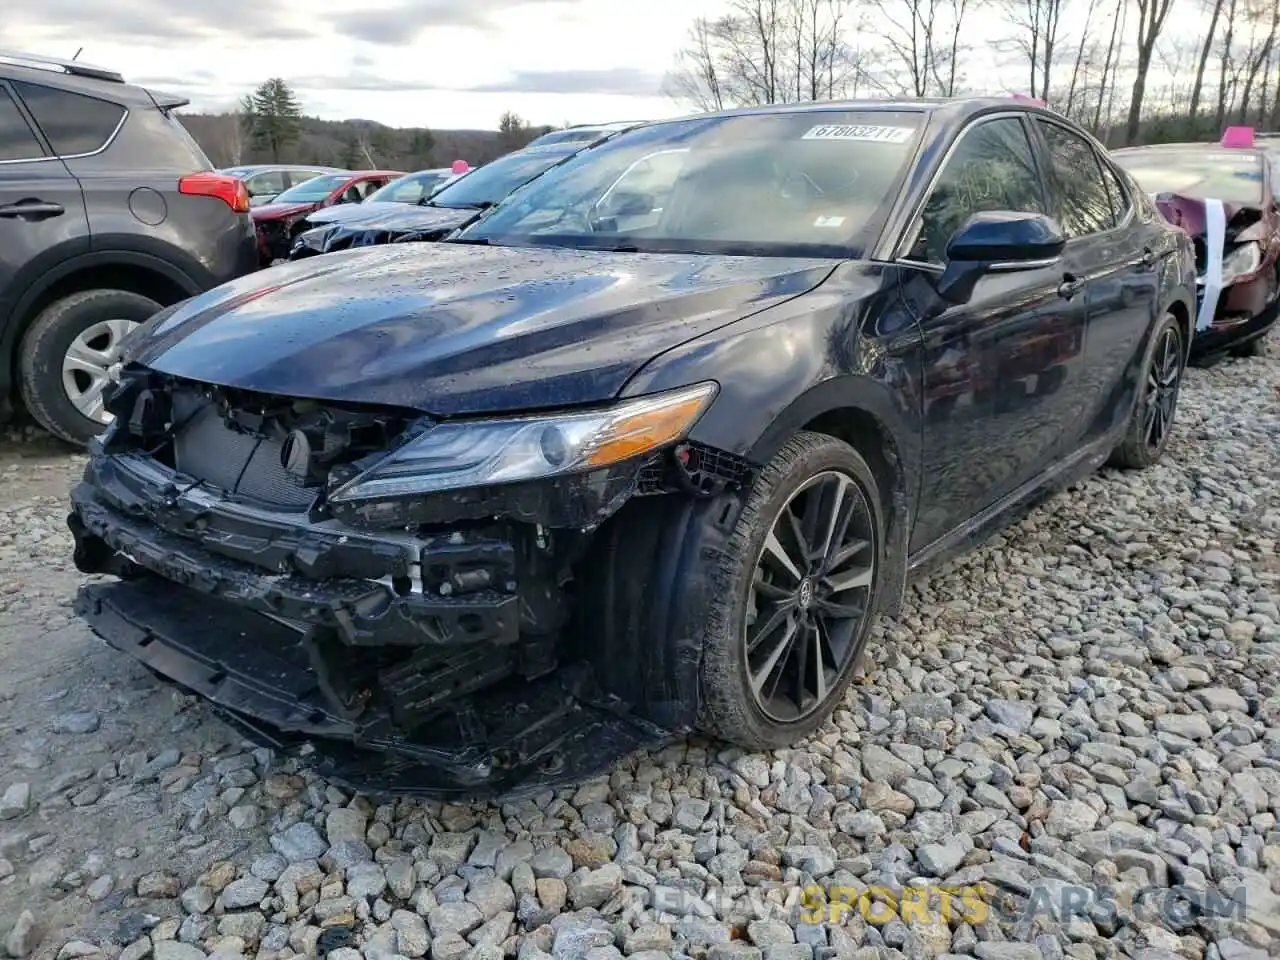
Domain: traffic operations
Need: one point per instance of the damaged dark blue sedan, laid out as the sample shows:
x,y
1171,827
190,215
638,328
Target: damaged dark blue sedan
x,y
642,451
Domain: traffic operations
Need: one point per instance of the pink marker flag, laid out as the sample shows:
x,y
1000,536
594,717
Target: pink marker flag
x,y
1238,137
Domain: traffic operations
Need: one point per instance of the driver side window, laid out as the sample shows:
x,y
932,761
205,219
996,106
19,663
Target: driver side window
x,y
992,168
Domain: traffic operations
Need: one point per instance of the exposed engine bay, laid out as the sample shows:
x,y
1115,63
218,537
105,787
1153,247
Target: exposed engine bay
x,y
1236,252
418,645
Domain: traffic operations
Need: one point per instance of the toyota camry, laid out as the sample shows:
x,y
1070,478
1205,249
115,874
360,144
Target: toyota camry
x,y
643,450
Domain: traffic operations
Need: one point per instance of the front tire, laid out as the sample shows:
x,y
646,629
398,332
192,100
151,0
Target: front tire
x,y
804,570
66,353
1151,424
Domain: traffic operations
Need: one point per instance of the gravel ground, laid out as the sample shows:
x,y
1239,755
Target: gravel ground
x,y
1081,720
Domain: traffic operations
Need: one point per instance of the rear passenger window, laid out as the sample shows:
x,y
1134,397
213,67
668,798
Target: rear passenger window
x,y
1118,195
72,123
17,142
1083,205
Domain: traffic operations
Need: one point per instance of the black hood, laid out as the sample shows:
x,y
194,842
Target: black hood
x,y
453,329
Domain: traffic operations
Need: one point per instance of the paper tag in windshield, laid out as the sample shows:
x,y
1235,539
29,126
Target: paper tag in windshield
x,y
866,133
828,221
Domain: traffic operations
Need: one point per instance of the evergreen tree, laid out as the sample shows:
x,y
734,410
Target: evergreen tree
x,y
273,116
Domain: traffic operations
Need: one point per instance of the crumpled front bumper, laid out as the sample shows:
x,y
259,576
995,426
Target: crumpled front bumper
x,y
129,514
509,740
350,647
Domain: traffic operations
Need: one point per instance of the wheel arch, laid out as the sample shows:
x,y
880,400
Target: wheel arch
x,y
1185,315
133,271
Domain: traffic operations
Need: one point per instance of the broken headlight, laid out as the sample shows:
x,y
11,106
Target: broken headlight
x,y
1241,262
460,454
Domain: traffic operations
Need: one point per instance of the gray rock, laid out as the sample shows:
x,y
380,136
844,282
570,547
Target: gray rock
x,y
198,899
1007,951
172,950
552,862
15,801
345,824
458,918
24,935
1068,818
1014,714
689,814
943,859
80,721
365,881
492,897
1193,726
242,893
268,867
300,842
767,933
591,888
1222,698
412,939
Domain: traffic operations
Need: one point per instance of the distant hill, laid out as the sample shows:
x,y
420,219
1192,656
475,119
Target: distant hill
x,y
356,144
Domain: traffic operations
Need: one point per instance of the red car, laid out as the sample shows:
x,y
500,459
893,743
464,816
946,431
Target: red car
x,y
1224,196
277,221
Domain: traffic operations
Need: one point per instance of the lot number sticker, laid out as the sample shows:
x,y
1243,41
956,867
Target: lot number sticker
x,y
866,133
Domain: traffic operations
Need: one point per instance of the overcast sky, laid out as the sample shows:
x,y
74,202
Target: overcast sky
x,y
432,63
402,62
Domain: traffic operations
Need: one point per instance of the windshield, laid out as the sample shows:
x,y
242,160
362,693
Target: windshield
x,y
1229,175
783,184
491,183
411,189
317,188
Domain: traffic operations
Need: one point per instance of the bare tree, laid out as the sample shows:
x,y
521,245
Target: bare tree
x,y
923,36
1035,24
696,79
1080,68
1152,16
767,51
1264,21
1227,67
1197,87
1106,94
229,144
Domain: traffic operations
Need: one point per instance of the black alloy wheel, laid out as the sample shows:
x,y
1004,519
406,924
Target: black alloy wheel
x,y
1164,378
810,596
1151,424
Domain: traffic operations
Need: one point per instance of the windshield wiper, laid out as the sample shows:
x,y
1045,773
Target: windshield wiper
x,y
473,241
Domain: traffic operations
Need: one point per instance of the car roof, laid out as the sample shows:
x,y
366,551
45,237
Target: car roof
x,y
76,77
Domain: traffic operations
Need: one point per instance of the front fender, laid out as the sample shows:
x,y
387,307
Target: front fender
x,y
850,361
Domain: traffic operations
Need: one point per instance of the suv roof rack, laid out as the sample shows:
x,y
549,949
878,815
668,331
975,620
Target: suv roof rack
x,y
71,67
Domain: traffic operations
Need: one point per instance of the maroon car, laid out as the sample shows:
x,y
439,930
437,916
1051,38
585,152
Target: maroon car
x,y
1224,196
277,221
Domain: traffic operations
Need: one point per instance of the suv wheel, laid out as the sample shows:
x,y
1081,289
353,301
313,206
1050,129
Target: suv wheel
x,y
66,354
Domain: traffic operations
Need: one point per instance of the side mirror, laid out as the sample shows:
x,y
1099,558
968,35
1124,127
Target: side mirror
x,y
998,241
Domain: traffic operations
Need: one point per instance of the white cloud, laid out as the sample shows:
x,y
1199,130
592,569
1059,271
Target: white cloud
x,y
440,63
444,65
